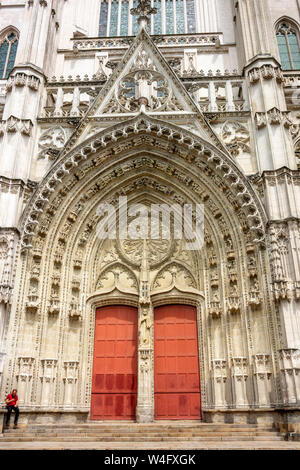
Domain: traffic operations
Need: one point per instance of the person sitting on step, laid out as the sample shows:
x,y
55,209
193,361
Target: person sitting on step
x,y
12,405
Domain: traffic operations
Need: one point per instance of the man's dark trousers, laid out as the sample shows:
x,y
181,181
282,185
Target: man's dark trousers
x,y
9,411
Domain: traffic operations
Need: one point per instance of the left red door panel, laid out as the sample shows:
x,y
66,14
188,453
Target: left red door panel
x,y
114,388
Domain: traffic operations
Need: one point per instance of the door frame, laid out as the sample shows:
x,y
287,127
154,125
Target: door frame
x,y
102,299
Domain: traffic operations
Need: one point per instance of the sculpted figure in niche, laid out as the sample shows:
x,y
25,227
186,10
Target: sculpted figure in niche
x,y
145,327
216,297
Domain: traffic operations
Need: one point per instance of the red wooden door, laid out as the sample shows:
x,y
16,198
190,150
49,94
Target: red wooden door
x,y
114,389
176,363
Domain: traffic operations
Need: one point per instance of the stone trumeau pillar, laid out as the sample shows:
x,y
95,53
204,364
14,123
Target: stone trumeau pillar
x,y
279,177
17,132
145,400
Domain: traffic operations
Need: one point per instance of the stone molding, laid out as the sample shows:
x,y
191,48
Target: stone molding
x,y
273,117
16,125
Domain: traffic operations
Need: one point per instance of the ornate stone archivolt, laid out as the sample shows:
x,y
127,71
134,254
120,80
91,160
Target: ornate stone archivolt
x,y
166,137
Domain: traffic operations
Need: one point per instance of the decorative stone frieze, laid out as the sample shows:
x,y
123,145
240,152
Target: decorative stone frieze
x,y
16,125
266,72
23,80
273,117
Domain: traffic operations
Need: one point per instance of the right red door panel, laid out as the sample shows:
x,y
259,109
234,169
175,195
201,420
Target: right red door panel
x,y
176,363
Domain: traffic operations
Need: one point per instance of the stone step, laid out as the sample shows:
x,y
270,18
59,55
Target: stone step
x,y
136,431
133,436
204,428
149,426
140,439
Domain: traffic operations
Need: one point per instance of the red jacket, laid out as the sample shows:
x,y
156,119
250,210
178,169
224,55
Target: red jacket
x,y
10,397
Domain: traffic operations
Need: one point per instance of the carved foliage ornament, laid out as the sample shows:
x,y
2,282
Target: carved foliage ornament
x,y
236,137
51,142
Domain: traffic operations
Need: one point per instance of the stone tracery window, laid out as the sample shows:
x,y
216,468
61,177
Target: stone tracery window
x,y
8,52
288,45
172,17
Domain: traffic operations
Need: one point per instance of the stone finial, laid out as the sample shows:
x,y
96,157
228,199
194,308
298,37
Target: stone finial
x,y
142,11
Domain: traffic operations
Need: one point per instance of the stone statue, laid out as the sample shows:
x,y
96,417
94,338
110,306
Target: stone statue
x,y
145,327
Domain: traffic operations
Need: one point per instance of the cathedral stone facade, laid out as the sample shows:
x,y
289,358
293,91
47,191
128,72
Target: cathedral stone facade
x,y
166,102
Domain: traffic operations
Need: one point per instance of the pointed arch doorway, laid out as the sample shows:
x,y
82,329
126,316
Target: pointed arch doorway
x,y
176,363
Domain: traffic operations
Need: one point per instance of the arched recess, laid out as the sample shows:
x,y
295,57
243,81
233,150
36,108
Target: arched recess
x,y
62,258
9,38
288,40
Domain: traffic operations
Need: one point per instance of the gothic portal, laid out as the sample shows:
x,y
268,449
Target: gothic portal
x,y
167,103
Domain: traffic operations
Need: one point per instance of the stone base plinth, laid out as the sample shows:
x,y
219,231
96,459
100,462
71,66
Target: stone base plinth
x,y
288,420
45,416
283,420
144,414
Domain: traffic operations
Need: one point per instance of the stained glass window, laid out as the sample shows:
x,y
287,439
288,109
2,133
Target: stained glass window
x,y
157,18
119,18
8,52
169,17
135,25
288,46
103,18
180,19
191,16
114,12
124,18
